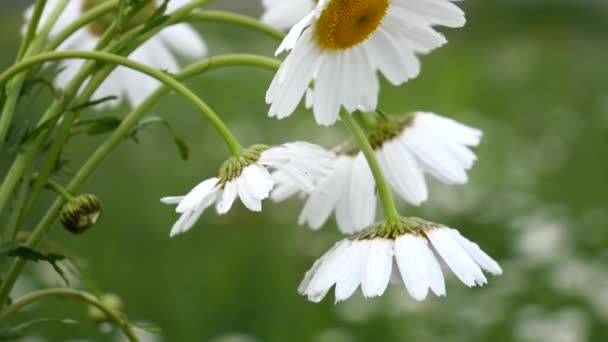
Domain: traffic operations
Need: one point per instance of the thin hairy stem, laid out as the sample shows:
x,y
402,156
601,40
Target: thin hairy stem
x,y
384,193
86,297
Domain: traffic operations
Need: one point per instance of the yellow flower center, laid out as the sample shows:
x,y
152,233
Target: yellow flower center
x,y
346,23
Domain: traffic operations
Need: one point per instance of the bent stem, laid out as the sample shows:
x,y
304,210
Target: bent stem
x,y
386,197
116,137
230,140
235,19
88,298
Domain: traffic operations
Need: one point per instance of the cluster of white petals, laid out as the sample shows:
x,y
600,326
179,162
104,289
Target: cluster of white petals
x,y
429,144
409,259
301,162
157,52
349,190
346,76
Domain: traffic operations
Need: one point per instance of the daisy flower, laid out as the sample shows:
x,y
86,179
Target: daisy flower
x,y
283,14
388,252
248,177
341,45
157,52
349,190
424,143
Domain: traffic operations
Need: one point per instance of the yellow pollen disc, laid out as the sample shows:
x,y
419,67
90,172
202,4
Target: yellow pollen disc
x,y
346,23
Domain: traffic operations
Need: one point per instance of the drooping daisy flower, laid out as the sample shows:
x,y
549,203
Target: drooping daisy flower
x,y
342,44
157,52
367,260
247,177
283,14
424,143
349,190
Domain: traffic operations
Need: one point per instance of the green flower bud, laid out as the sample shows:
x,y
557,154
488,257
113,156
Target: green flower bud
x,y
109,300
81,213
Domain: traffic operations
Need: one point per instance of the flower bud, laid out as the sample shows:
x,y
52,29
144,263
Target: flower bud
x,y
81,213
109,300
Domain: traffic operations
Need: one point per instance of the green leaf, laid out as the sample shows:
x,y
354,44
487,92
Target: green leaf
x,y
13,249
28,136
182,147
30,84
97,126
92,103
18,331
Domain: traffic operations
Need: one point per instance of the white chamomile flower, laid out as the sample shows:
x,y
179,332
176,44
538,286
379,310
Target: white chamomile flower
x,y
396,251
349,190
157,52
248,177
424,143
342,44
283,14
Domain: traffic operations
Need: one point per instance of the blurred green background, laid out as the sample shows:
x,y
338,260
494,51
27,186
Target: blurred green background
x,y
532,74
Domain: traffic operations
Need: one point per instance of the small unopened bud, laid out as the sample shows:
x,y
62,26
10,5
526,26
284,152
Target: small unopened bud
x,y
109,300
81,213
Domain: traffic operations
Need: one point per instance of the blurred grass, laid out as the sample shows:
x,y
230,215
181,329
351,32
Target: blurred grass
x,y
533,76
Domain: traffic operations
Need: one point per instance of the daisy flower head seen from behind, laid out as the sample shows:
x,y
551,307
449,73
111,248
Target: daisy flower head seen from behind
x,y
403,253
248,177
424,143
157,52
348,190
283,14
342,44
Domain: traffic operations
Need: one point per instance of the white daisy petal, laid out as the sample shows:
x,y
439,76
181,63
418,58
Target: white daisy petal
x,y
353,270
455,257
410,256
479,256
378,268
227,197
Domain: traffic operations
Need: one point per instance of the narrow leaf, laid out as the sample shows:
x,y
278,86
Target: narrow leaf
x,y
92,103
13,249
19,331
182,147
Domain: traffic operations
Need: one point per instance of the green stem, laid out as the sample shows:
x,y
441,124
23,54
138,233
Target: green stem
x,y
10,231
32,27
32,297
386,197
230,140
61,191
116,137
13,89
235,19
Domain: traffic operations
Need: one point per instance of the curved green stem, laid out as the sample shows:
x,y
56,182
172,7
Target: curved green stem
x,y
384,193
61,191
229,138
32,297
118,135
235,19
